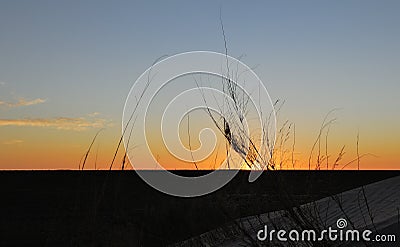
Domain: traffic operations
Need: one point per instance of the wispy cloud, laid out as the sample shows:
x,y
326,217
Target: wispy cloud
x,y
94,114
12,142
22,102
61,123
2,83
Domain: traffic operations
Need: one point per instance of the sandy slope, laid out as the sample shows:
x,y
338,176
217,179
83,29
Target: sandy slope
x,y
377,211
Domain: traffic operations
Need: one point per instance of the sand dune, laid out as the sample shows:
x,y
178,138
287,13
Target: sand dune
x,y
374,207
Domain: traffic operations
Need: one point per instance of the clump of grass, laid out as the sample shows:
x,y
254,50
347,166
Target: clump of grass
x,y
278,154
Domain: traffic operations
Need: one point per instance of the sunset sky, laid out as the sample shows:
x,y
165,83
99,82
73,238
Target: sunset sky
x,y
66,68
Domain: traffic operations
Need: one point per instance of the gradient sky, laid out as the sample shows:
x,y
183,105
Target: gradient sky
x,y
66,68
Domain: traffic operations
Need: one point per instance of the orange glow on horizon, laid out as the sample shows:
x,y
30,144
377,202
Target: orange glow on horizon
x,y
31,148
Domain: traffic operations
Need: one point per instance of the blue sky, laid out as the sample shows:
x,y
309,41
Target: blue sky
x,y
83,56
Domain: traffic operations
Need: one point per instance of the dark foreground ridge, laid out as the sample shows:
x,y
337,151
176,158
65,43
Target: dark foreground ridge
x,y
117,208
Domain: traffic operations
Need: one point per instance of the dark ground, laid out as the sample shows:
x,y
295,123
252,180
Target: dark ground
x,y
103,208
